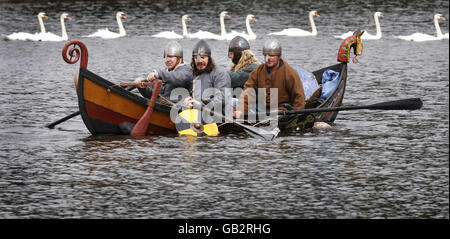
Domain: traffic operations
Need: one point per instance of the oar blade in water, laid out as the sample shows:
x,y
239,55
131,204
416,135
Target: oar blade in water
x,y
262,133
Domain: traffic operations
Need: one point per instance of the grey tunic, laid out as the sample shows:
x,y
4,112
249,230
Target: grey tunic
x,y
181,76
213,87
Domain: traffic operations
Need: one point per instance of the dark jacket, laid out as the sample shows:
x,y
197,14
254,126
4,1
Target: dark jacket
x,y
238,78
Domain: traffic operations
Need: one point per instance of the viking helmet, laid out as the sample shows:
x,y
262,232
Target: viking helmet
x,y
173,48
272,47
201,49
238,43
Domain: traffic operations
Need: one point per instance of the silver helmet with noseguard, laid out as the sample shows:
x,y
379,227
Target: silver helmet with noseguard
x,y
272,47
201,49
173,48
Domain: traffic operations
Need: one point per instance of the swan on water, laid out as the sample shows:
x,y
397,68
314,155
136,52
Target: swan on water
x,y
223,30
48,36
296,32
173,35
250,35
185,18
366,35
208,35
425,37
24,35
205,35
168,35
106,34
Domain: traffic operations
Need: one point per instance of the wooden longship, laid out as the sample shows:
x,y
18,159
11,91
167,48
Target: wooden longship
x,y
105,106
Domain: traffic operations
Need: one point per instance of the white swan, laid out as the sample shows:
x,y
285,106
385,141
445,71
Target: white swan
x,y
425,37
168,35
366,35
48,36
106,34
295,32
24,35
205,35
185,18
223,30
208,35
250,35
172,34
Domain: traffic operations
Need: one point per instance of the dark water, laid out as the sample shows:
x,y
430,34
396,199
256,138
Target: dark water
x,y
371,164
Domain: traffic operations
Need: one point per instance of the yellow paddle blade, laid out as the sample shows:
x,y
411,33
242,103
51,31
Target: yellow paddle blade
x,y
188,124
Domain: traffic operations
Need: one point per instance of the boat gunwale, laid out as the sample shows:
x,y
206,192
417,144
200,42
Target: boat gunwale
x,y
164,108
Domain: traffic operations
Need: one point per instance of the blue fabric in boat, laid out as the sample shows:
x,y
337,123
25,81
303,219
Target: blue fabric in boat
x,y
330,80
308,79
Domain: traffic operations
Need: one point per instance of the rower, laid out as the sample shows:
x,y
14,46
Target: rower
x,y
210,81
243,59
274,73
176,74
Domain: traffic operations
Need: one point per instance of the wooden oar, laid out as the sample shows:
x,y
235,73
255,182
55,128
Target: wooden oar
x,y
253,131
53,124
141,126
132,85
405,104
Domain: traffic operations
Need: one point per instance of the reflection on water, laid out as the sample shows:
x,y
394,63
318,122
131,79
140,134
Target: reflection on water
x,y
371,164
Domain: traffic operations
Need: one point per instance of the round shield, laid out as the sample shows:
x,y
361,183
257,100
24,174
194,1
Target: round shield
x,y
188,123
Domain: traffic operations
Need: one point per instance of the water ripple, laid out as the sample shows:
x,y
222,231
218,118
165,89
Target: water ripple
x,y
371,164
